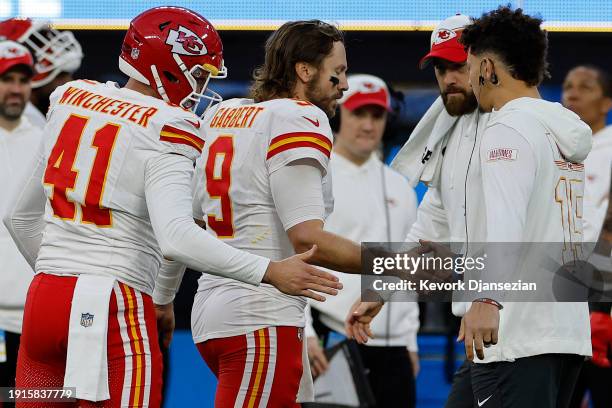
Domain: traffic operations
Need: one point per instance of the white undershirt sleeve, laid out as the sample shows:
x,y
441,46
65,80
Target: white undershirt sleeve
x,y
168,281
298,192
24,217
169,201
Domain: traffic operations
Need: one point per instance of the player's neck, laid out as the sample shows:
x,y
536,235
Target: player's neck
x,y
8,124
598,125
519,89
299,92
137,86
348,155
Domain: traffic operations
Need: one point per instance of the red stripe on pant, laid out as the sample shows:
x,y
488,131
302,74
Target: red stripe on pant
x,y
260,369
136,345
42,355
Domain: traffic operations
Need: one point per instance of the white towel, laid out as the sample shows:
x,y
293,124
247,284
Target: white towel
x,y
86,361
306,390
420,159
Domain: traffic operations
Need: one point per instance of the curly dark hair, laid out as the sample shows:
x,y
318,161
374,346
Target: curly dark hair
x,y
297,41
515,38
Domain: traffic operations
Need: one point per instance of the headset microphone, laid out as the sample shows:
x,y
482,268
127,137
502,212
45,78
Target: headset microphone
x,y
334,80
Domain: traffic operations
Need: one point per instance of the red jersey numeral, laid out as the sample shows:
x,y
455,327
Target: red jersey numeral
x,y
218,185
59,172
62,176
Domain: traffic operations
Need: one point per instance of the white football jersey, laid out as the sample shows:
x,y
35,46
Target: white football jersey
x,y
245,143
99,139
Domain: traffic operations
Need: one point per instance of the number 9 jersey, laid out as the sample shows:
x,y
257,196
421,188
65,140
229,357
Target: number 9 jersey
x,y
101,139
245,143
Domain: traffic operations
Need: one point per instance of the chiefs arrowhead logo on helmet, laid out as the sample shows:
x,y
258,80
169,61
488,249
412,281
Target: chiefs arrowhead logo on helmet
x,y
444,35
186,42
13,52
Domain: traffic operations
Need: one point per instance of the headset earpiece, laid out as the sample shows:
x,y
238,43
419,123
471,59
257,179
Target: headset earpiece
x,y
494,79
481,80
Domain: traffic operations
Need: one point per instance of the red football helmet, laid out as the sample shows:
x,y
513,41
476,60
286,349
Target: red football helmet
x,y
176,51
54,51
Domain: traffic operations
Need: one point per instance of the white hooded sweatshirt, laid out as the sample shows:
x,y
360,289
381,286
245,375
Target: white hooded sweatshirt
x,y
532,182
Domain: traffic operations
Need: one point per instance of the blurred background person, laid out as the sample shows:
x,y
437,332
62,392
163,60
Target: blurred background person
x,y
372,203
19,141
587,91
57,55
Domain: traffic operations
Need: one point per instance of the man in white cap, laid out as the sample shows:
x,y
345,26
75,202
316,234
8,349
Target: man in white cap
x,y
442,152
372,203
57,55
19,141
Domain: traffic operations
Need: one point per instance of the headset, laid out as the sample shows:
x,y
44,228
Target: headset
x,y
334,123
481,80
494,80
385,197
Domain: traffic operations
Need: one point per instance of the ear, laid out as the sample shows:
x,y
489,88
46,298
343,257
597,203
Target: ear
x,y
606,105
488,69
304,71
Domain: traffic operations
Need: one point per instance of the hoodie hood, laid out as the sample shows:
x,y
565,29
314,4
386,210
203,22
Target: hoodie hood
x,y
572,135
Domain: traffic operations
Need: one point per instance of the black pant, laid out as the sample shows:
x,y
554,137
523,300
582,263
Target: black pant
x,y
390,376
543,381
598,381
8,369
461,394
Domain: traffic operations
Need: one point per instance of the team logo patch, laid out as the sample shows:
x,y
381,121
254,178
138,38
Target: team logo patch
x,y
135,53
444,35
502,153
186,42
426,156
86,319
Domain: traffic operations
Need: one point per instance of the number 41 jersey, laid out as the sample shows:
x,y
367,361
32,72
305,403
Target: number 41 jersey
x,y
245,143
101,144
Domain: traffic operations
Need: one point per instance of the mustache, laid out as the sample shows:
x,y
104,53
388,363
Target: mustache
x,y
454,89
15,96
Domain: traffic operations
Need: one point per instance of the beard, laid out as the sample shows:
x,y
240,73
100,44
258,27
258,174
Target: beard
x,y
12,111
456,105
315,95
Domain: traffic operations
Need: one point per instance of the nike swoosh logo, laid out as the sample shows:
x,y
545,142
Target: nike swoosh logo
x,y
480,404
194,124
314,122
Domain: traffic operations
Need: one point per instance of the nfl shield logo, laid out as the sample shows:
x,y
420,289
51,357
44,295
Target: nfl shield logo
x,y
86,319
